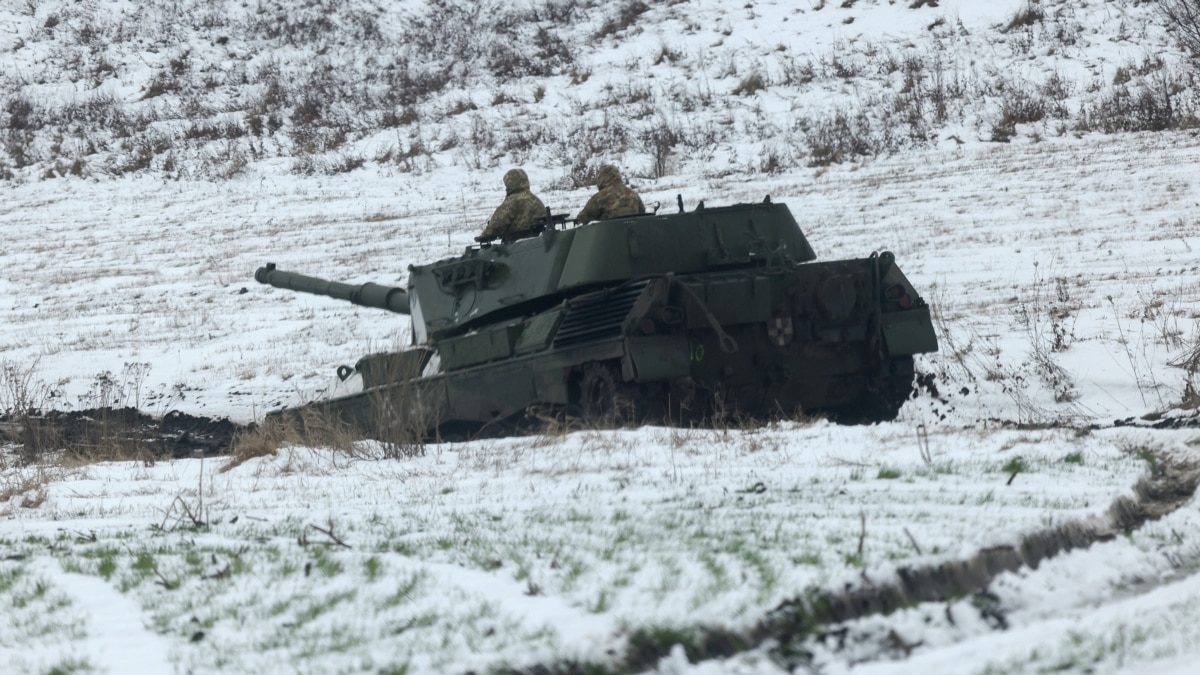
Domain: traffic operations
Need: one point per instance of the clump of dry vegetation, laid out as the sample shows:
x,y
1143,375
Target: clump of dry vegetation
x,y
1189,361
393,417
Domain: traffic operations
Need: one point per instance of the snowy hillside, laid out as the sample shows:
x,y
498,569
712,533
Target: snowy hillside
x,y
219,89
1030,164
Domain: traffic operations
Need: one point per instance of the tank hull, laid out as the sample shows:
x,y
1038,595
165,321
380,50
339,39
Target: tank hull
x,y
766,341
680,318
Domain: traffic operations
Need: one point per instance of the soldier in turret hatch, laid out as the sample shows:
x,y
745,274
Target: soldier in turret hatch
x,y
515,216
613,200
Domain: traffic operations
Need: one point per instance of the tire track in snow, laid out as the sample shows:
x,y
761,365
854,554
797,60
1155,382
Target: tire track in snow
x,y
1172,484
1169,487
119,640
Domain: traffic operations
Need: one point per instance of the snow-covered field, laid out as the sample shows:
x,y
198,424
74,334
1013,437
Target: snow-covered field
x,y
1064,271
536,549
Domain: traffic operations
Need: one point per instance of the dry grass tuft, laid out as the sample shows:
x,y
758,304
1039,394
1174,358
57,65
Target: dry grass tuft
x,y
308,427
552,425
260,441
26,489
386,415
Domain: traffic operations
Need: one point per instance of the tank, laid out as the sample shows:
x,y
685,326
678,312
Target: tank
x,y
679,318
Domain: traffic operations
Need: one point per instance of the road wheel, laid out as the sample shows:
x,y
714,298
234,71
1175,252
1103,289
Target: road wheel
x,y
603,398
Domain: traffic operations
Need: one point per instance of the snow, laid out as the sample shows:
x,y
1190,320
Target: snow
x,y
1064,278
117,639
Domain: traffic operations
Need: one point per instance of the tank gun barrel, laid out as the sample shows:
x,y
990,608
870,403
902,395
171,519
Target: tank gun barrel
x,y
391,298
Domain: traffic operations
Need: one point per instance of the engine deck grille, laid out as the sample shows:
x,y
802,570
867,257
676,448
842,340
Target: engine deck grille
x,y
598,315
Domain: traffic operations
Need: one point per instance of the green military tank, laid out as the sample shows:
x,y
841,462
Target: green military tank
x,y
674,318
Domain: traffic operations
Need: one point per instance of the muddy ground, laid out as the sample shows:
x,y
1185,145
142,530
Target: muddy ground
x,y
119,433
128,432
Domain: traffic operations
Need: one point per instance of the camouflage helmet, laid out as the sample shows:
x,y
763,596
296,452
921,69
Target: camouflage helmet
x,y
608,176
515,181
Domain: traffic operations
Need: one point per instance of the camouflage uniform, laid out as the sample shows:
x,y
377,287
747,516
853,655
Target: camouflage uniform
x,y
515,215
613,200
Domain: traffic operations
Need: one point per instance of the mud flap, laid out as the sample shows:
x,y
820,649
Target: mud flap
x,y
655,358
909,332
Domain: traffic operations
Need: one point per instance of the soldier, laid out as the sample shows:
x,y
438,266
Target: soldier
x,y
613,200
515,216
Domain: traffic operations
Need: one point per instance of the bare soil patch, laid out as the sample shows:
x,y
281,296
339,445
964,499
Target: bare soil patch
x,y
119,433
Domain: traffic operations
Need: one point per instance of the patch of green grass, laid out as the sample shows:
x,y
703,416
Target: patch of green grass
x,y
524,569
810,558
716,570
9,577
339,638
1015,465
71,664
143,563
732,544
573,569
719,580
420,621
578,516
108,566
625,535
936,469
279,607
326,564
22,599
372,567
404,592
237,564
35,611
1151,460
318,606
886,473
1074,458
608,553
767,575
404,548
668,581
602,603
